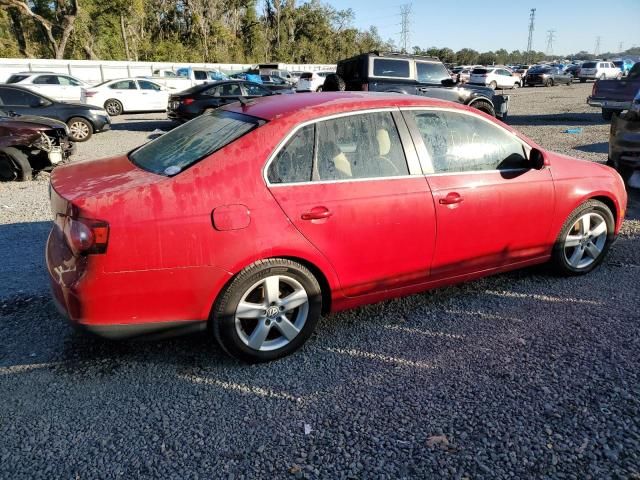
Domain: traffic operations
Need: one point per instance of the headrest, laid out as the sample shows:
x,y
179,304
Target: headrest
x,y
384,142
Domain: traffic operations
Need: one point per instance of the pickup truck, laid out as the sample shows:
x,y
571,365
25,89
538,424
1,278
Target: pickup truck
x,y
185,78
614,96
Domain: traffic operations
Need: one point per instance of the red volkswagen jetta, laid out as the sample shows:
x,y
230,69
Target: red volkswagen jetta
x,y
255,219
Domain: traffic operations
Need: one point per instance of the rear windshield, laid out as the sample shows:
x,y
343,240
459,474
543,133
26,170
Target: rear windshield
x,y
479,71
589,65
187,144
16,78
307,75
619,64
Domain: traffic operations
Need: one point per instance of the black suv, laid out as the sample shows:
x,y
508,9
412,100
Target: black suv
x,y
416,75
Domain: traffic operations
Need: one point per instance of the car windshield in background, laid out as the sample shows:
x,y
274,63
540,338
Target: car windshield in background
x,y
479,71
187,144
540,70
307,75
589,65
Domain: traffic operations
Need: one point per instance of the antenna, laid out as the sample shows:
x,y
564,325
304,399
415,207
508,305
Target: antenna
x,y
532,20
596,51
550,37
405,13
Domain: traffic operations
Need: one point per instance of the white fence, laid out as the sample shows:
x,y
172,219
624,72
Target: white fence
x,y
95,71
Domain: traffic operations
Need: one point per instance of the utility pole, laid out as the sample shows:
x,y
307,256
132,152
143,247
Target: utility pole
x,y
550,37
405,14
596,51
532,20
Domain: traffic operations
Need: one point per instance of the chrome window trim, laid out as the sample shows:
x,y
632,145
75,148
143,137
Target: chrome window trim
x,y
524,144
413,166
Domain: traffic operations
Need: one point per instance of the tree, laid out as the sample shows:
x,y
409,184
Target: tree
x,y
56,19
467,56
487,58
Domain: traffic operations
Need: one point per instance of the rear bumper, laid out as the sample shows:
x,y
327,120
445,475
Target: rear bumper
x,y
609,104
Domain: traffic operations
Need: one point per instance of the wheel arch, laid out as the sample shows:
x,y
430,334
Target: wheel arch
x,y
93,127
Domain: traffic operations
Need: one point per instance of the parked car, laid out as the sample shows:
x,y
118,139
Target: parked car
x,y
257,218
63,88
624,65
276,83
311,81
416,75
572,70
548,76
614,96
29,143
83,120
598,71
624,140
204,98
128,95
461,74
495,78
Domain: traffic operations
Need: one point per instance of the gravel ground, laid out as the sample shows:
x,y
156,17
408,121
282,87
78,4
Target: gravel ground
x,y
522,375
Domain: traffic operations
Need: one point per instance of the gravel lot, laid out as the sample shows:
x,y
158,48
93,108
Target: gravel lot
x,y
522,375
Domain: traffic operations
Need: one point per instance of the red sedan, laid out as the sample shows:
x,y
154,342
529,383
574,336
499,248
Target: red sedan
x,y
255,219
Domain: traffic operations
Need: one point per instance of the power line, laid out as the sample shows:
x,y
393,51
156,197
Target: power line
x,y
550,37
596,50
532,20
405,13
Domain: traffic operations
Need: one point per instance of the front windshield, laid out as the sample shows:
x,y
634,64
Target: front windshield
x,y
187,144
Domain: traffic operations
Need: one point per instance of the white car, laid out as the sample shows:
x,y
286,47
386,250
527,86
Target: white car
x,y
128,95
311,81
56,86
598,71
495,78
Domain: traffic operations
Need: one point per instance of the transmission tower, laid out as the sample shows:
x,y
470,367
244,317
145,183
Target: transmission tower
x,y
550,37
596,50
405,14
532,20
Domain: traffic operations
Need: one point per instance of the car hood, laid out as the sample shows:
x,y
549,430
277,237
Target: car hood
x,y
92,180
34,119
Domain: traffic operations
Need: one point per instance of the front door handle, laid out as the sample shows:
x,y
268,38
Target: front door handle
x,y
317,213
451,199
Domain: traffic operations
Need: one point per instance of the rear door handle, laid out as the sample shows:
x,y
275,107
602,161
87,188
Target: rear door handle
x,y
317,213
451,199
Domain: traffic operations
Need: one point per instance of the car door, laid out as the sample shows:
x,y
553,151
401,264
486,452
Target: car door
x,y
71,88
49,86
350,188
154,97
492,208
127,93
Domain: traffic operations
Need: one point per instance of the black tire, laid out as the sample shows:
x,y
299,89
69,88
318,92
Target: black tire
x,y
484,106
113,107
603,77
14,165
80,129
516,85
559,260
607,114
583,80
548,82
319,89
223,318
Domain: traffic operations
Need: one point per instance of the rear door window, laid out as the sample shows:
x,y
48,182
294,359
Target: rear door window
x,y
187,144
383,67
200,75
46,80
124,85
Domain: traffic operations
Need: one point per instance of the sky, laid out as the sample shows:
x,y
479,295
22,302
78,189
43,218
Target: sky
x,y
487,26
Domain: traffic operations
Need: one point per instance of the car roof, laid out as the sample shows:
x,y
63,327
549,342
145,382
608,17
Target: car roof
x,y
308,106
15,86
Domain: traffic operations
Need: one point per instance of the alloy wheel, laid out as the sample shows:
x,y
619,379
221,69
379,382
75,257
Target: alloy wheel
x,y
271,313
79,130
585,240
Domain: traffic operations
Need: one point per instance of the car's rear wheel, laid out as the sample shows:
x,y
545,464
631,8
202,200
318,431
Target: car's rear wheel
x,y
14,165
516,85
548,82
619,76
113,107
267,311
493,85
584,239
484,106
80,130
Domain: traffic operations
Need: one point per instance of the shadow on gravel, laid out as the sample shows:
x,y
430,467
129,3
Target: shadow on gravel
x,y
602,147
571,119
144,125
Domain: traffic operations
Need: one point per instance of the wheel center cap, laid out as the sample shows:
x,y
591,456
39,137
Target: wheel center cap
x,y
273,311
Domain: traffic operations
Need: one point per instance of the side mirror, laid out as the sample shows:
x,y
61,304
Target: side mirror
x,y
448,82
537,160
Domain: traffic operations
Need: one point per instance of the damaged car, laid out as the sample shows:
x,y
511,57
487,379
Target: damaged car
x,y
624,140
31,144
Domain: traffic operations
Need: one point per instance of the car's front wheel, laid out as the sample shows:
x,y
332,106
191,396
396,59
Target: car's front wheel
x,y
267,311
80,130
584,239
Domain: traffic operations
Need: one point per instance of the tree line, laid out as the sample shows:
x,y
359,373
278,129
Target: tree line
x,y
211,31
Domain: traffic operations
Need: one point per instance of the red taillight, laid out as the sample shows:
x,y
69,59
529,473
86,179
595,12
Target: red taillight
x,y
364,87
85,236
594,89
187,101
